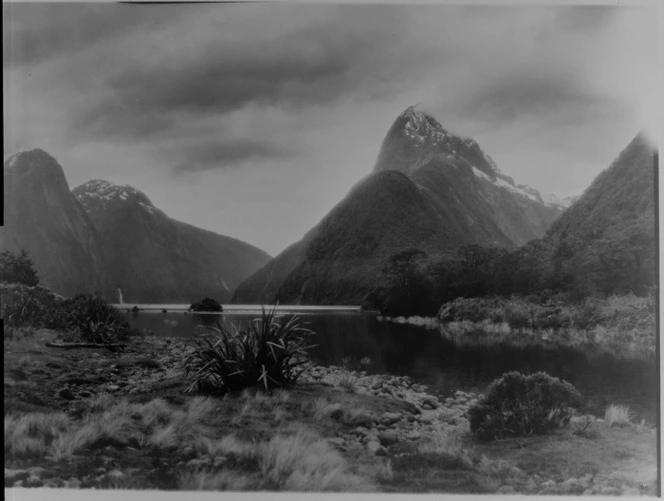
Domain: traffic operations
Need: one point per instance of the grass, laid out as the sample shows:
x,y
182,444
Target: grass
x,y
305,462
617,415
108,422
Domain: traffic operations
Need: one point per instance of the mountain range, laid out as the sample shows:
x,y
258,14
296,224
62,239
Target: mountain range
x,y
104,237
430,190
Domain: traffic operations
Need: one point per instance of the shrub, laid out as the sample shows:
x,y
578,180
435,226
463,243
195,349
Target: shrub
x,y
17,268
268,354
24,305
95,320
518,405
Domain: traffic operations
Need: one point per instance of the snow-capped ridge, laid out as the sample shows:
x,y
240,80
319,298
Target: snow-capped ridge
x,y
105,192
525,191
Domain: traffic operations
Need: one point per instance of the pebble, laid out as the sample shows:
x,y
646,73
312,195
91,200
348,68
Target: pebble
x,y
387,438
389,418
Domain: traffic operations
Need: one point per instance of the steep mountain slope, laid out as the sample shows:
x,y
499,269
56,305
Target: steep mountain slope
x,y
606,240
153,258
469,191
43,217
429,190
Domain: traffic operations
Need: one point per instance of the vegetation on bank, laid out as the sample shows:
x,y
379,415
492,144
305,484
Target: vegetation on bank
x,y
24,303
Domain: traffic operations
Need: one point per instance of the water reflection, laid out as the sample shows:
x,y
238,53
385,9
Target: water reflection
x,y
445,364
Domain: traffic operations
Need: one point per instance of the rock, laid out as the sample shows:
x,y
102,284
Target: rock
x,y
375,449
505,489
413,435
66,394
33,481
112,388
336,441
115,474
390,418
547,484
219,461
73,483
430,401
588,492
198,463
84,394
387,438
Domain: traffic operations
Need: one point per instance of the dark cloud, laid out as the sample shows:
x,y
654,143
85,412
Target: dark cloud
x,y
39,32
315,64
530,96
223,153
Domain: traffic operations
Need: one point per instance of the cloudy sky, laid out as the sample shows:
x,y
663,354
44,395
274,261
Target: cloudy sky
x,y
254,120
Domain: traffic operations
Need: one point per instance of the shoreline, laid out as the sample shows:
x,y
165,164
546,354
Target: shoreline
x,y
380,432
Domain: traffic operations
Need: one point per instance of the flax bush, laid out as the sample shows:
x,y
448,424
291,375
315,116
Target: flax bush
x,y
269,354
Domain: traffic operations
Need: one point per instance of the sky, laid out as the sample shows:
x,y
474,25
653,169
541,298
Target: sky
x,y
254,120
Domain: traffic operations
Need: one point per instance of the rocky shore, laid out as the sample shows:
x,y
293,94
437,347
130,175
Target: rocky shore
x,y
367,419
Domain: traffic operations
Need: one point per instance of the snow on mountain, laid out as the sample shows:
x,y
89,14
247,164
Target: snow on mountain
x,y
104,192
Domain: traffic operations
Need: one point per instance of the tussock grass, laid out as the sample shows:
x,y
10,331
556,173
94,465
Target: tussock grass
x,y
120,424
31,435
617,415
304,462
228,445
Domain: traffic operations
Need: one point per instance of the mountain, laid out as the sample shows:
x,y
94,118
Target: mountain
x,y
471,194
43,217
104,237
153,258
429,190
606,240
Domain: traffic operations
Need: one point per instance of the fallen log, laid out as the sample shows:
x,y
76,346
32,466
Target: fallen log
x,y
70,346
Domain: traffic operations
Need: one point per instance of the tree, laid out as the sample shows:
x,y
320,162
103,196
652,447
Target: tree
x,y
408,290
17,268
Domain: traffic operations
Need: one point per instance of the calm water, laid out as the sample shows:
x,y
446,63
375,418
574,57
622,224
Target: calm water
x,y
445,366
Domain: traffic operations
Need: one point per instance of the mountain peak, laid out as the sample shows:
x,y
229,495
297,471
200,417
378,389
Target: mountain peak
x,y
30,159
100,191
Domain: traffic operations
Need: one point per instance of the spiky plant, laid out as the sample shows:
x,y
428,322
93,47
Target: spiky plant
x,y
269,354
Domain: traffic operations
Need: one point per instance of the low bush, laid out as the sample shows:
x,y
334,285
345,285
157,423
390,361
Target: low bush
x,y
24,305
89,317
95,320
268,354
519,405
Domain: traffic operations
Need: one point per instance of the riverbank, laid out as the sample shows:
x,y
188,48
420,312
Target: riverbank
x,y
623,326
94,418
